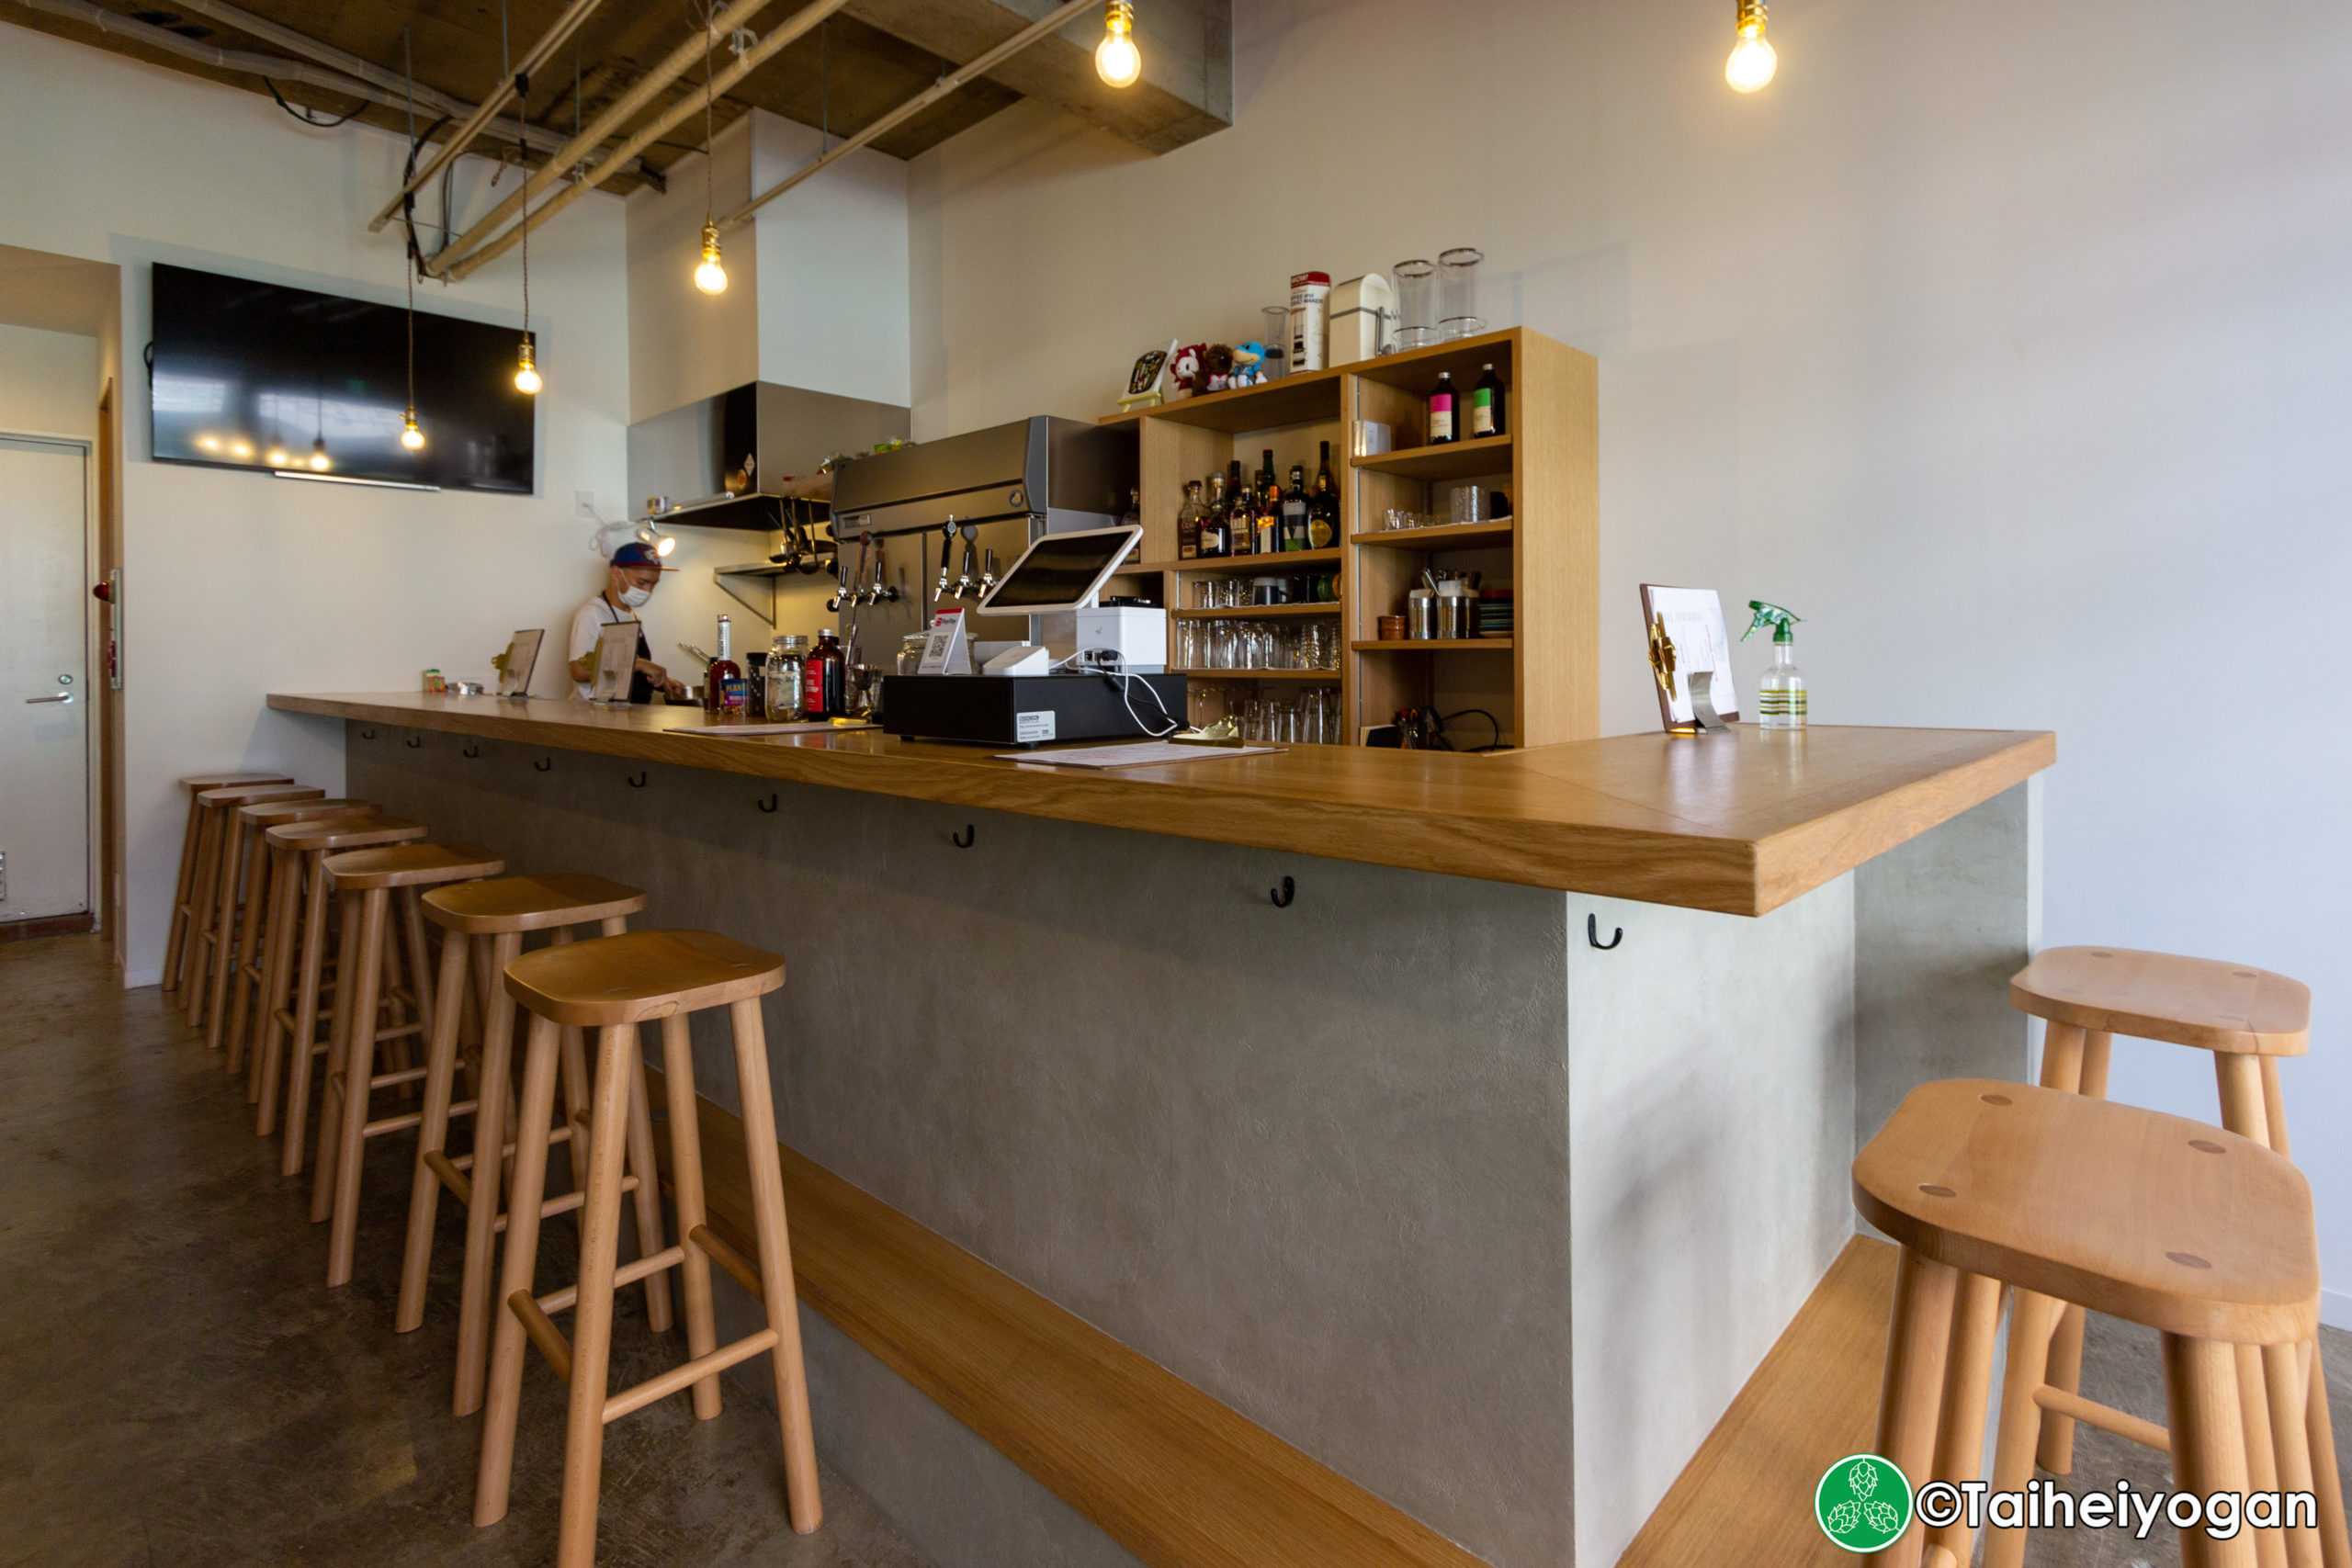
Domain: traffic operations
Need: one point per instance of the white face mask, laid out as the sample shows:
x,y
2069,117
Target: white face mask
x,y
634,598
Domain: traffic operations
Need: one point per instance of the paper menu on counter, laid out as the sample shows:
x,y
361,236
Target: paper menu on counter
x,y
521,656
615,661
1693,620
1133,754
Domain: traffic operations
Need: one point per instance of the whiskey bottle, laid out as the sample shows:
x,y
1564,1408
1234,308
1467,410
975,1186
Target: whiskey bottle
x,y
1443,426
1294,510
1188,522
1323,507
1213,541
1241,519
723,690
1487,406
1269,517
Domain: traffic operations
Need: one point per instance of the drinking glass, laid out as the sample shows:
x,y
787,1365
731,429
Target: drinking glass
x,y
1204,594
1276,336
1414,314
1458,293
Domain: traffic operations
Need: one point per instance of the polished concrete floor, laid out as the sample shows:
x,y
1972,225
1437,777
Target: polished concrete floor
x,y
179,1387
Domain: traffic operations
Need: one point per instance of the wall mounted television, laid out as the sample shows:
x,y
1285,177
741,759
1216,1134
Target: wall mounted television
x,y
249,374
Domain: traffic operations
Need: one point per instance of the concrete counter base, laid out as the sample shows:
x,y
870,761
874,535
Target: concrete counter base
x,y
1488,1220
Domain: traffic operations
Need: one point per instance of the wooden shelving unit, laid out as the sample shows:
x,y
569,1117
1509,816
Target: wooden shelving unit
x,y
1541,683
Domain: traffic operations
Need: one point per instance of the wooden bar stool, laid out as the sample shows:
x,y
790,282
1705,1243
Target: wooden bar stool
x,y
290,1035
2197,1233
484,925
219,878
262,899
183,894
2248,1019
366,880
611,984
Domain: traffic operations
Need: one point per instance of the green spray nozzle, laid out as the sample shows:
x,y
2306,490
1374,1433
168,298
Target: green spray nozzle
x,y
1772,615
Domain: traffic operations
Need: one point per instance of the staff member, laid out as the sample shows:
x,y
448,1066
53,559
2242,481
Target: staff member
x,y
630,582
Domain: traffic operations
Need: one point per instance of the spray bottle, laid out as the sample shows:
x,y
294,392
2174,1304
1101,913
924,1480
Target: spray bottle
x,y
1780,695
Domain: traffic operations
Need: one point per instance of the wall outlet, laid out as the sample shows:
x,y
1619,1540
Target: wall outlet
x,y
583,502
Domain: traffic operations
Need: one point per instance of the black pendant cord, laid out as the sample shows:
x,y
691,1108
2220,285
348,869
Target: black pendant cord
x,y
709,137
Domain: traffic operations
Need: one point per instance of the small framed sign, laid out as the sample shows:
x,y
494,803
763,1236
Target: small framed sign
x,y
944,652
515,665
1143,382
1687,635
615,662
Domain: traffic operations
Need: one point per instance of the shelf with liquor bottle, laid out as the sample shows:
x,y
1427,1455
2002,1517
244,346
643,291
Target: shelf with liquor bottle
x,y
1520,420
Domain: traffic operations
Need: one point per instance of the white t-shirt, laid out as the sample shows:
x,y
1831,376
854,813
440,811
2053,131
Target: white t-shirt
x,y
586,626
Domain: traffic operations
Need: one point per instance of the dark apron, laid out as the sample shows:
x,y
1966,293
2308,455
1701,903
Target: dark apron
x,y
640,690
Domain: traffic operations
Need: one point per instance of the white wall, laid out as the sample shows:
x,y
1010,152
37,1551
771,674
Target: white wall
x,y
684,344
2010,351
832,266
48,383
237,584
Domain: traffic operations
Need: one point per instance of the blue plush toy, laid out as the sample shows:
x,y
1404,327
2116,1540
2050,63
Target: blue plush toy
x,y
1247,358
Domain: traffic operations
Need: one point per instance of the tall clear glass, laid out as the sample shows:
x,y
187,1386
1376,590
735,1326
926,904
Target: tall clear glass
x,y
1276,335
1416,303
1458,293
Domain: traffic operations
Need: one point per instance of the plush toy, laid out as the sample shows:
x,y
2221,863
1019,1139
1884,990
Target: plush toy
x,y
1187,366
1248,359
1216,367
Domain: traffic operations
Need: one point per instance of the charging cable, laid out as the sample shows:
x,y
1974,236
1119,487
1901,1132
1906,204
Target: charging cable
x,y
1123,683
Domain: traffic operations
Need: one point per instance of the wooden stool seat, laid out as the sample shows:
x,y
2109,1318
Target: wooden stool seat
x,y
612,983
2199,1002
212,896
644,975
411,865
262,900
366,879
2158,1219
2200,1234
289,1034
175,946
484,924
519,904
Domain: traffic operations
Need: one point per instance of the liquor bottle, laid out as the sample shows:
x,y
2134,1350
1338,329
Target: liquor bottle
x,y
1442,426
1212,539
1294,510
1188,522
1487,406
1323,507
821,678
1241,519
723,690
1269,516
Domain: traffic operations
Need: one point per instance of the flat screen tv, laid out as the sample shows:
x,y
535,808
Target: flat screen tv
x,y
256,375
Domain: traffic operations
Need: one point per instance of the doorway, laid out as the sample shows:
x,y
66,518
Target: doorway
x,y
45,695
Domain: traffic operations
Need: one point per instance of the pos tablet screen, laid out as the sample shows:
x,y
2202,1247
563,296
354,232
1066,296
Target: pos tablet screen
x,y
1061,572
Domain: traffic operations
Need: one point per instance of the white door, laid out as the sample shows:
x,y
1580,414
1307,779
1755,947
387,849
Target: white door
x,y
44,686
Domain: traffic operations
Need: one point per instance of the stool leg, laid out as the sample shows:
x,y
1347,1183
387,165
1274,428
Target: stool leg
x,y
2261,1453
276,969
199,912
505,1394
806,1508
234,836
339,1034
475,1302
2031,1316
685,1179
2201,1407
304,1018
2325,1481
1968,1378
219,897
358,1071
241,985
2072,1060
647,1195
2062,1058
177,944
2283,1383
432,1135
592,1321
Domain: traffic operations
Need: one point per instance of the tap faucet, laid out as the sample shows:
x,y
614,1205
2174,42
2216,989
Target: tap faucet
x,y
988,574
946,555
963,579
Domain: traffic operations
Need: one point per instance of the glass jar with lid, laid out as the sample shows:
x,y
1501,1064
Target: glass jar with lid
x,y
787,661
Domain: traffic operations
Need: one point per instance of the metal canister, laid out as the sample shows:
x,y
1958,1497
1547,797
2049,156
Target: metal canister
x,y
1421,614
1454,620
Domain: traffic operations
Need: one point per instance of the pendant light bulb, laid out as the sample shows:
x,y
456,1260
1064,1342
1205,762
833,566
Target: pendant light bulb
x,y
526,373
319,464
1116,60
710,277
1752,60
411,437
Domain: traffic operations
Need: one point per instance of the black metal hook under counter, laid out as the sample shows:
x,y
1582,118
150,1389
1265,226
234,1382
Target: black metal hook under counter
x,y
1592,933
1284,895
769,805
963,841
545,765
636,780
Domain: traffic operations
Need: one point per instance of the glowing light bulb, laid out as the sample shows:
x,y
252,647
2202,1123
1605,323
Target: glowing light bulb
x,y
1752,60
319,464
278,458
411,437
1116,60
665,544
208,443
241,450
710,277
526,374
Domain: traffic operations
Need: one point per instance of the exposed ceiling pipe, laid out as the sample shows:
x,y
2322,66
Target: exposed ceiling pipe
x,y
916,104
619,113
276,67
466,265
542,140
553,39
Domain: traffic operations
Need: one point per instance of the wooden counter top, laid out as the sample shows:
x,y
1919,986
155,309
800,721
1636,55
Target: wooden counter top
x,y
1740,822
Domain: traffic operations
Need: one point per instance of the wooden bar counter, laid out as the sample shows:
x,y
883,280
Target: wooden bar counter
x,y
1431,1218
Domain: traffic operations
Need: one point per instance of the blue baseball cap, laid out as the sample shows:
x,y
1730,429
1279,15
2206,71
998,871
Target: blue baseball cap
x,y
636,552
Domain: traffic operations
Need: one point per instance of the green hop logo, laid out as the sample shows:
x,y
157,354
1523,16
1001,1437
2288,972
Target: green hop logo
x,y
1863,1503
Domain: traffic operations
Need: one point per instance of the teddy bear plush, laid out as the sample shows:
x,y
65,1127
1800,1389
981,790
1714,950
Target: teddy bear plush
x,y
1216,367
1186,368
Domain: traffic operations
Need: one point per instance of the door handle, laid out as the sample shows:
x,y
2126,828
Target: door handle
x,y
61,697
